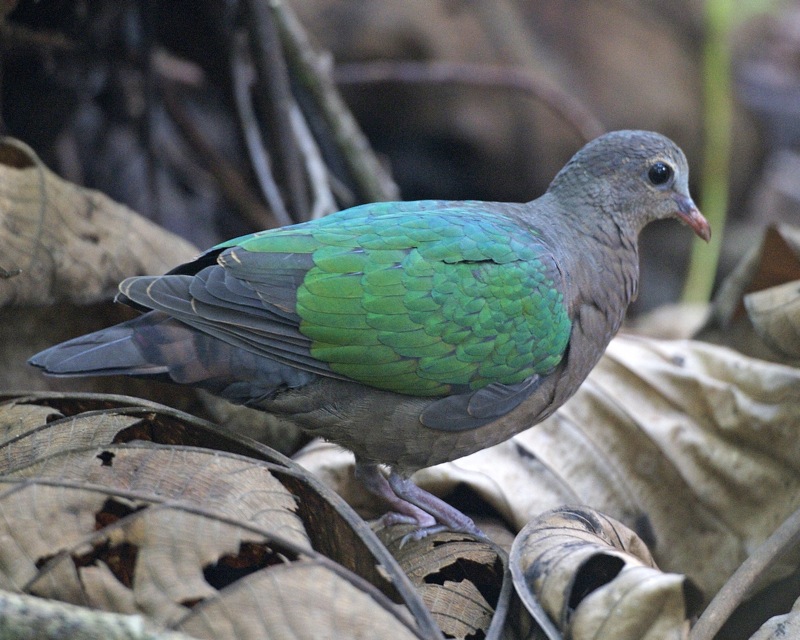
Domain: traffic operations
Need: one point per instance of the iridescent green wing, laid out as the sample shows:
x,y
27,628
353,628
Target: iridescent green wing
x,y
425,298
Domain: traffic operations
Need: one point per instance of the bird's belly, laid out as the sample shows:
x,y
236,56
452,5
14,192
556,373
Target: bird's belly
x,y
384,427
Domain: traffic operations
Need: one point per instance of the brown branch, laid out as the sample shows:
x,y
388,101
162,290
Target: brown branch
x,y
784,542
311,71
227,177
565,105
259,156
273,95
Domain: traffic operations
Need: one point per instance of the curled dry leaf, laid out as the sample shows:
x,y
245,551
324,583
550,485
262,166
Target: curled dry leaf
x,y
775,315
756,309
693,446
596,579
70,243
127,506
463,581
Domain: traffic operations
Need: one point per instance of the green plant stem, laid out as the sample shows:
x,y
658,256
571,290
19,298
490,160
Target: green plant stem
x,y
718,122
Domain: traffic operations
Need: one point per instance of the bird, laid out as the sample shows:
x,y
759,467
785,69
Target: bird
x,y
410,333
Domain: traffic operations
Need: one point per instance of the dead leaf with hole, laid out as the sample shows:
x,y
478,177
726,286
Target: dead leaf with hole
x,y
464,582
303,600
127,506
596,579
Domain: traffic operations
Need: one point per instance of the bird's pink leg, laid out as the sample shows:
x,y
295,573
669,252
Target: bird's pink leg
x,y
412,505
403,512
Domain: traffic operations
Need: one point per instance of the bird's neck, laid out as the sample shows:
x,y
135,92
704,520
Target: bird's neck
x,y
601,259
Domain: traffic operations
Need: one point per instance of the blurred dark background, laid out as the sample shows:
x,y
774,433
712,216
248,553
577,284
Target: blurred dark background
x,y
99,87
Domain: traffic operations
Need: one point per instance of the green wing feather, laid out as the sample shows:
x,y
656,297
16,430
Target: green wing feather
x,y
425,298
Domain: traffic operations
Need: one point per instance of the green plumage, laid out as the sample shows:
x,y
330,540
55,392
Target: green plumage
x,y
425,305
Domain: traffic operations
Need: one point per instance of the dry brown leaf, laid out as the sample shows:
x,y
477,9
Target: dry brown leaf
x,y
460,579
70,243
232,486
19,420
595,578
775,315
303,600
742,318
111,505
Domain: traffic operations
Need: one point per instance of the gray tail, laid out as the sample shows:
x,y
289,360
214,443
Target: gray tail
x,y
156,345
112,351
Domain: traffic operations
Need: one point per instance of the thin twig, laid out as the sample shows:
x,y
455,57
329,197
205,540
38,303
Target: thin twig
x,y
785,540
319,177
309,69
565,105
229,180
259,156
274,97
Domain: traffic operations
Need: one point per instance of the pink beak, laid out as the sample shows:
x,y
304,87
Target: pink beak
x,y
690,214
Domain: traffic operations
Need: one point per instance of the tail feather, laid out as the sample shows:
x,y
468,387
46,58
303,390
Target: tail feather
x,y
107,352
155,344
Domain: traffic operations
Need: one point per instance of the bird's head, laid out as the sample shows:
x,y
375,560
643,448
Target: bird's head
x,y
634,176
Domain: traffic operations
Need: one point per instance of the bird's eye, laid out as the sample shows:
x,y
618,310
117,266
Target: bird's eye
x,y
659,173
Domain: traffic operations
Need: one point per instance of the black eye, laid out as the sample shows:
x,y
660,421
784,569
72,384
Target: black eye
x,y
660,173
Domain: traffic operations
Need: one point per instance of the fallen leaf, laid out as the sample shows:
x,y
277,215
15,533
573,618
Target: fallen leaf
x,y
744,314
70,243
463,581
595,578
775,315
131,507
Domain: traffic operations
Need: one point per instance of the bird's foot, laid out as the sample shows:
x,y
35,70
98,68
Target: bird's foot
x,y
412,505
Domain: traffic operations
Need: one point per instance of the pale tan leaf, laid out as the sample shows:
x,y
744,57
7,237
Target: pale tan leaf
x,y
693,446
37,523
118,504
595,579
775,314
37,436
303,600
640,604
70,243
775,261
154,562
230,485
459,578
16,421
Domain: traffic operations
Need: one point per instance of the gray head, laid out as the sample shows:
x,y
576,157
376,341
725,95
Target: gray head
x,y
635,176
